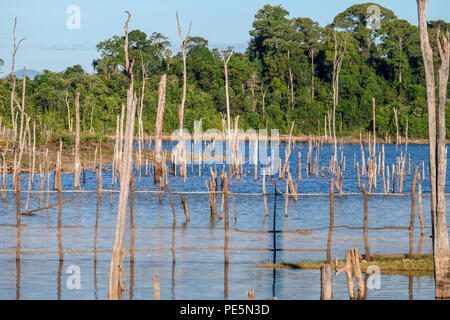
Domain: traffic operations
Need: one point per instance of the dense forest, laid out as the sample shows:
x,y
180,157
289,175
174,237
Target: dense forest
x,y
285,75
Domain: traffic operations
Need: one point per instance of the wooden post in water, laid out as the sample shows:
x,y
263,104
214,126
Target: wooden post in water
x,y
264,193
132,219
132,198
366,234
413,204
357,269
250,294
422,222
330,233
115,275
286,198
18,178
347,267
171,199
359,177
156,287
225,192
393,178
326,290
184,206
158,160
76,183
60,200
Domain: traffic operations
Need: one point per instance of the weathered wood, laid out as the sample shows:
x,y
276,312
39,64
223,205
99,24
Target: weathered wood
x,y
18,204
156,287
358,175
326,290
347,267
182,155
77,164
60,201
366,234
158,154
330,232
361,286
413,206
31,212
419,200
250,294
118,254
227,220
437,162
184,206
266,209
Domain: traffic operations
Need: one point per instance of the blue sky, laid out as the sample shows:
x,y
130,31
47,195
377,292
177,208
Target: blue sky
x,y
51,45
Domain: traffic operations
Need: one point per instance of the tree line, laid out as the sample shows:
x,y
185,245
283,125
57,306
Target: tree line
x,y
288,73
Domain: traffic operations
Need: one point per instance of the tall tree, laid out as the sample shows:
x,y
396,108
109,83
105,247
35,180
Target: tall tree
x,y
118,253
182,151
356,20
437,152
309,38
399,42
225,61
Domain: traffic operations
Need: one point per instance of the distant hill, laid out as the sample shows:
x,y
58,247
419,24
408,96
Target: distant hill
x,y
30,73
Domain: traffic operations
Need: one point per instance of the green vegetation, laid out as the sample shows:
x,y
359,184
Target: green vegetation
x,y
391,264
384,63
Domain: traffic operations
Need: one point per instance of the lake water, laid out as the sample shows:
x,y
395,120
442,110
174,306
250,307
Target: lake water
x,y
199,271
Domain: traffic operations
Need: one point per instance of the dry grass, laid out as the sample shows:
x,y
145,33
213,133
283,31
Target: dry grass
x,y
388,264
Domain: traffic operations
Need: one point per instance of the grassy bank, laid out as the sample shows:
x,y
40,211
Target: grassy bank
x,y
388,264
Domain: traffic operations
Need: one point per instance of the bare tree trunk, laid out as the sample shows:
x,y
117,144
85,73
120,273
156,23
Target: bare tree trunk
x,y
13,77
396,125
69,118
225,65
76,183
374,130
311,55
291,81
325,282
182,155
442,257
437,164
118,254
158,157
339,52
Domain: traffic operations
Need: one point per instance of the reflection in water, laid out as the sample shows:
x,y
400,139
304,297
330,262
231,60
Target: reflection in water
x,y
173,280
17,279
421,241
95,246
330,231
58,290
226,267
274,261
410,287
200,268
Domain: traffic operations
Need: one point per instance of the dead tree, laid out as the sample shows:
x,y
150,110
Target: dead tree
x,y
291,81
182,151
13,76
77,164
437,152
158,156
69,118
339,53
118,253
225,65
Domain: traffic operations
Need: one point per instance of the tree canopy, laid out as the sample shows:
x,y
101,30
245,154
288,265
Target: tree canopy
x,y
284,75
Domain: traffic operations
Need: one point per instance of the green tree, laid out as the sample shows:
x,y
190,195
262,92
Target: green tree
x,y
355,20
